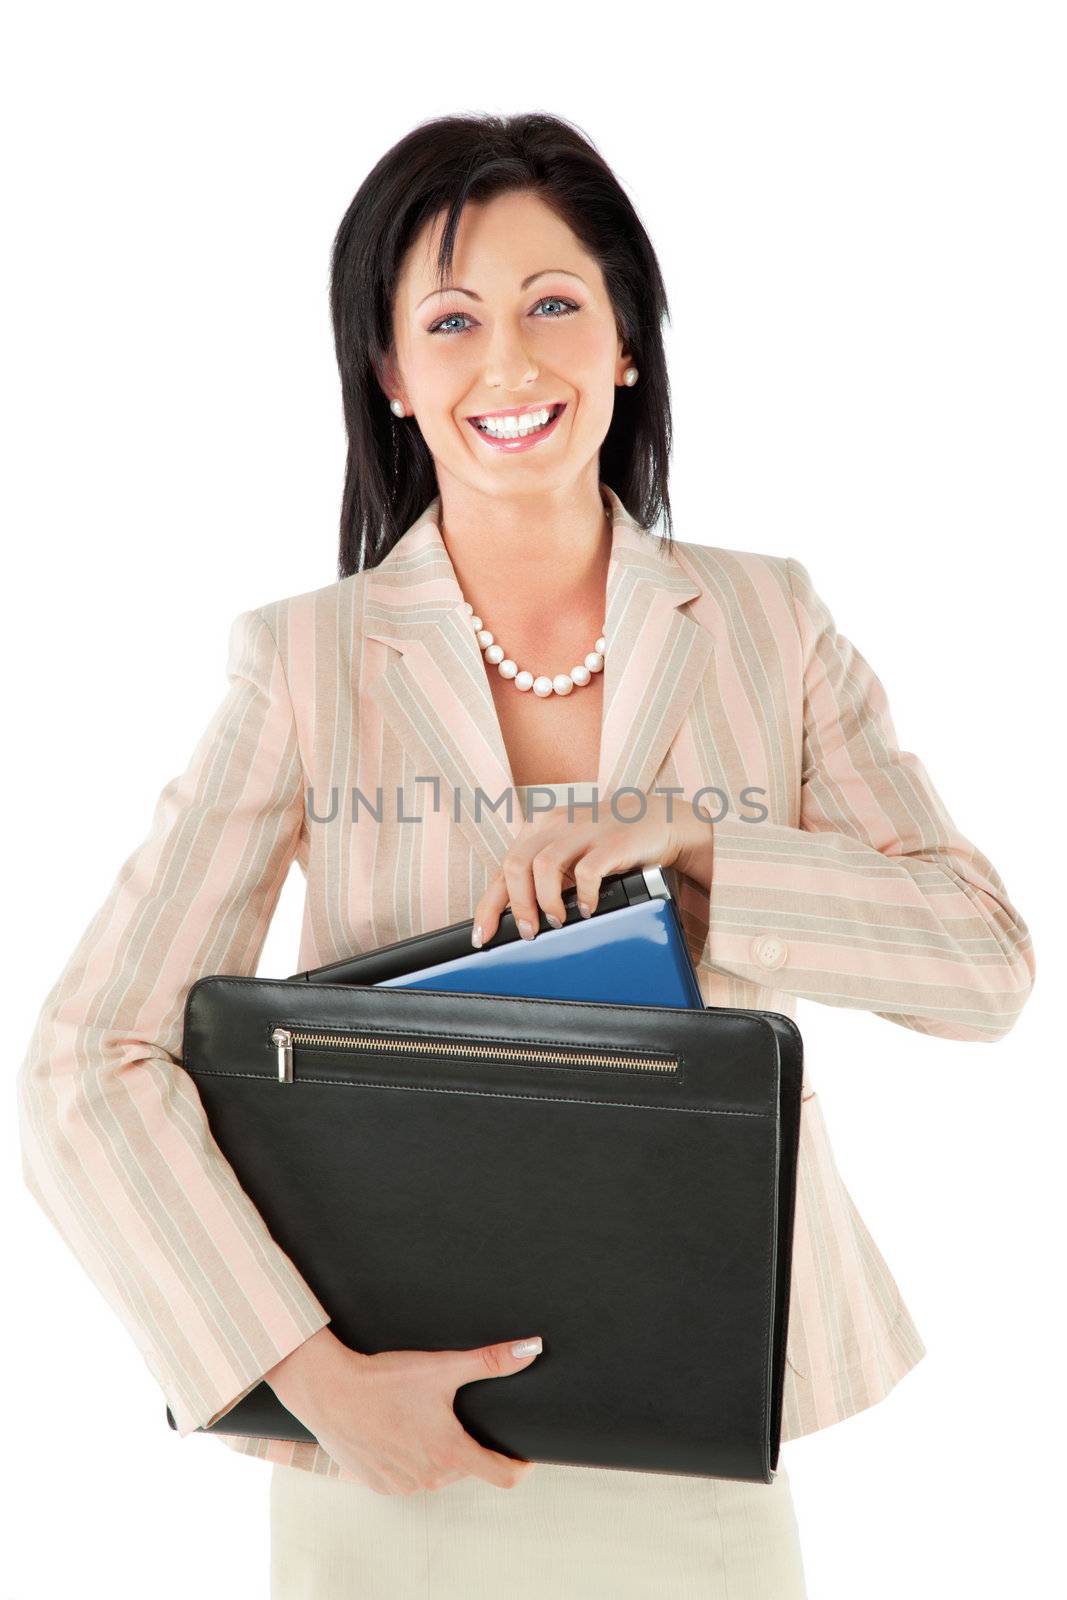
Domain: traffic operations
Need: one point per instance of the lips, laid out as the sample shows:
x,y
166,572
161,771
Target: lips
x,y
516,411
514,443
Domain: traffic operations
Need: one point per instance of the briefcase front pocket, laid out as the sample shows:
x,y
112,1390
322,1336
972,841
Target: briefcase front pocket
x,y
386,1047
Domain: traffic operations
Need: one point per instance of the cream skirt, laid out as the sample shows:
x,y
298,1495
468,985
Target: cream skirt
x,y
565,1533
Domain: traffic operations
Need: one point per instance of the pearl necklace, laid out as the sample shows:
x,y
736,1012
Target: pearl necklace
x,y
542,685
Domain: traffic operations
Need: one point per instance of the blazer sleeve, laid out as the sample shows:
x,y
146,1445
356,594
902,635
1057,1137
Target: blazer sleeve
x,y
116,1148
876,900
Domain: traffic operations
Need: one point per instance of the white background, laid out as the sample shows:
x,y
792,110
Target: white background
x,y
859,214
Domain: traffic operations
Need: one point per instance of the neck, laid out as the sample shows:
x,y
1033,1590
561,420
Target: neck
x,y
528,560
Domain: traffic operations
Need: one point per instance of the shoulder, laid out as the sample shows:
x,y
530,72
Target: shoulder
x,y
297,619
740,576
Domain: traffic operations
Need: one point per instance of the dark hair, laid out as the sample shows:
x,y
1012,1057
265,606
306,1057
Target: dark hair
x,y
443,163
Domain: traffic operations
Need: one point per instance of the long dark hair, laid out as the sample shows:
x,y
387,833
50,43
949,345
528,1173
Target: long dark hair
x,y
442,163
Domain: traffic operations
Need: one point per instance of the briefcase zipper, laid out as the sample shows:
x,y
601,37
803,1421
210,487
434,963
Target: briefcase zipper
x,y
284,1039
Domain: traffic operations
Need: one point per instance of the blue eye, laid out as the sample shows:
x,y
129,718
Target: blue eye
x,y
569,307
439,327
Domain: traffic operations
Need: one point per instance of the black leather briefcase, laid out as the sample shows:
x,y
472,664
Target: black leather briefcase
x,y
449,1170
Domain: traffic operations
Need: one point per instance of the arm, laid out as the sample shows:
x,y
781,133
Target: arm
x,y
116,1147
876,901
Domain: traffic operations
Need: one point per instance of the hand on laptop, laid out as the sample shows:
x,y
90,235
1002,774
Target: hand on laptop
x,y
555,847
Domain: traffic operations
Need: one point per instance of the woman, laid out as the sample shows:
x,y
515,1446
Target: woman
x,y
491,268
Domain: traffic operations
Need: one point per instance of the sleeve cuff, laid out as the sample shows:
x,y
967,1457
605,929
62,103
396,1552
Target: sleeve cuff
x,y
191,1414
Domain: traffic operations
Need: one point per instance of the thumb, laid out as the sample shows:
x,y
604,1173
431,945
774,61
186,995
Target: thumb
x,y
497,1360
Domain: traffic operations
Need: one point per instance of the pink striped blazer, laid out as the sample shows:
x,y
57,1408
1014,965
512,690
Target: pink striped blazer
x,y
724,668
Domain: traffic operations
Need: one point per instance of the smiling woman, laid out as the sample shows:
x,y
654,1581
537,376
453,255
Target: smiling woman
x,y
487,268
497,310
507,362
493,284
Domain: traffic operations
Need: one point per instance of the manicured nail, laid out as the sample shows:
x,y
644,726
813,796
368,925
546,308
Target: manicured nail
x,y
476,935
526,929
527,1347
552,921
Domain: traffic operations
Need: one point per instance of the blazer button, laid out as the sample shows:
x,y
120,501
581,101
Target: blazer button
x,y
770,952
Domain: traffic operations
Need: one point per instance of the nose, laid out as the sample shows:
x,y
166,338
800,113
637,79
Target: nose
x,y
509,365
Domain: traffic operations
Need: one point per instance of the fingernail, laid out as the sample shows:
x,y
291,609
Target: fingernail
x,y
584,909
476,934
526,929
552,921
527,1347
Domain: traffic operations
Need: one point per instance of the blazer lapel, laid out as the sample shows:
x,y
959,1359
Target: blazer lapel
x,y
436,695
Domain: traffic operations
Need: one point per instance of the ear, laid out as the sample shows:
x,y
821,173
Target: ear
x,y
389,379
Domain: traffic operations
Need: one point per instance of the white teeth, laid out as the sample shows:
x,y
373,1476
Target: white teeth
x,y
515,427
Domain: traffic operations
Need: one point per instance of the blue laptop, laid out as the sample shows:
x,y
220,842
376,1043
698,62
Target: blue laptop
x,y
631,951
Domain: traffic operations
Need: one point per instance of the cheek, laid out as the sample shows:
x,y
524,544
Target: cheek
x,y
586,349
436,378
596,395
590,366
438,389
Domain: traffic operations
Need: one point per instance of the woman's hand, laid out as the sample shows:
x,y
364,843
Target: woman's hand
x,y
388,1420
552,847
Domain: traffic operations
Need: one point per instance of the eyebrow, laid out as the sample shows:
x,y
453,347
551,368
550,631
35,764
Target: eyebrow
x,y
451,288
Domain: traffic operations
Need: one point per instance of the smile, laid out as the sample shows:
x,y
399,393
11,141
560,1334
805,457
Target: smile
x,y
517,430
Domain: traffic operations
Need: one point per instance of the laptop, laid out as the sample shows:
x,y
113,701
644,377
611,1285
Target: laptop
x,y
631,951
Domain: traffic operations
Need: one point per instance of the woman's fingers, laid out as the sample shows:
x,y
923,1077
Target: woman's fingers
x,y
530,878
528,884
487,911
543,883
591,870
531,874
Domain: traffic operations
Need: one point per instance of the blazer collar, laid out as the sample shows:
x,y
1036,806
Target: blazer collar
x,y
435,692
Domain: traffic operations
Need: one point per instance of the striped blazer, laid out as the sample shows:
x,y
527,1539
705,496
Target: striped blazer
x,y
724,669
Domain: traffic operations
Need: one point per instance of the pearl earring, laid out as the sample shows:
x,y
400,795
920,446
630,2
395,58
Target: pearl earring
x,y
397,407
629,377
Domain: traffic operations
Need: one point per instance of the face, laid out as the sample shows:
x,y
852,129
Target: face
x,y
525,325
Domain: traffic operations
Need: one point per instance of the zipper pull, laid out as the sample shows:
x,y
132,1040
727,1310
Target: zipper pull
x,y
284,1041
